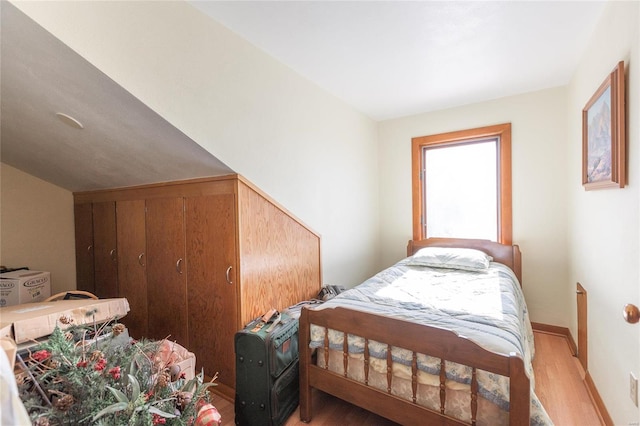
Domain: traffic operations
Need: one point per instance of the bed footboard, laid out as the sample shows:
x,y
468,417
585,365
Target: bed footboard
x,y
419,339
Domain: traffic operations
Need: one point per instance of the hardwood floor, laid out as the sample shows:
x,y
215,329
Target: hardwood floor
x,y
559,383
559,387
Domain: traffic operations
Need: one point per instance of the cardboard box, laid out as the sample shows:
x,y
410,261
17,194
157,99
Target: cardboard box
x,y
30,321
177,358
24,286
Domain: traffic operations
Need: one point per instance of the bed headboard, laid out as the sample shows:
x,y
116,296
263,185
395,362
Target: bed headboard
x,y
506,254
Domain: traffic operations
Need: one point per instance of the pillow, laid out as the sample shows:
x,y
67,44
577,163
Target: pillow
x,y
451,258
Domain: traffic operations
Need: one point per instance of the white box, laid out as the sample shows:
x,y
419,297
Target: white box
x,y
24,286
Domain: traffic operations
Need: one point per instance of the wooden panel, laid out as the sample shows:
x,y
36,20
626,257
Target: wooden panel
x,y
166,270
280,261
83,217
211,251
184,188
279,257
132,277
581,296
248,185
105,249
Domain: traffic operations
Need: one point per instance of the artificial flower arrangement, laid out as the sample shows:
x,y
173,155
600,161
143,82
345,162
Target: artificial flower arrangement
x,y
99,376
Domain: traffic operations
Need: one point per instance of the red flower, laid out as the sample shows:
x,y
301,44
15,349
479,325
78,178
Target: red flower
x,y
159,420
81,364
183,375
41,355
100,365
148,395
115,372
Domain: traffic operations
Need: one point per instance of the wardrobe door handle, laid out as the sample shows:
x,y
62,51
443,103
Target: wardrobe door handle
x,y
228,274
112,253
89,248
179,266
140,257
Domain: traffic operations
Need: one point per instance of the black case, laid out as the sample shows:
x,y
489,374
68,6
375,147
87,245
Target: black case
x,y
267,384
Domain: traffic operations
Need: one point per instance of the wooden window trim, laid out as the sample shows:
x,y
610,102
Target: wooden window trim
x,y
503,131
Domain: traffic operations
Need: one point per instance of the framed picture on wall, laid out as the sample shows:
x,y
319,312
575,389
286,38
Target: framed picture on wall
x,y
604,134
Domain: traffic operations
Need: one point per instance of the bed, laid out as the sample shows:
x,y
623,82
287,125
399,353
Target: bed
x,y
446,343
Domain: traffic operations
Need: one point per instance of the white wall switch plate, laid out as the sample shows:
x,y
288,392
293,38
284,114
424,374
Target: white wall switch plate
x,y
633,388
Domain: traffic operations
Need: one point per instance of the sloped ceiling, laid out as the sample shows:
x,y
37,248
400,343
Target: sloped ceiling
x,y
123,142
386,59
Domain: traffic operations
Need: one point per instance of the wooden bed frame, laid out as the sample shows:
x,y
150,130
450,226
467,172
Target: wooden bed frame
x,y
444,344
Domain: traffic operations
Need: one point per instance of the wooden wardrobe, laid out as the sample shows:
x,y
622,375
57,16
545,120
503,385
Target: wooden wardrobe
x,y
196,259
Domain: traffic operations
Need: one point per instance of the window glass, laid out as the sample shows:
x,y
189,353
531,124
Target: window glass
x,y
461,190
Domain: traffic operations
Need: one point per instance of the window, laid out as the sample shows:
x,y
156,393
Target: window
x,y
462,184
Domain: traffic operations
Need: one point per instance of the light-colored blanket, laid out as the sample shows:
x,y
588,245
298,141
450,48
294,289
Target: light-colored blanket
x,y
488,307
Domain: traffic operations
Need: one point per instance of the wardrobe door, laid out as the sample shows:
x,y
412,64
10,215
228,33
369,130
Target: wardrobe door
x,y
212,298
83,218
132,276
166,270
105,249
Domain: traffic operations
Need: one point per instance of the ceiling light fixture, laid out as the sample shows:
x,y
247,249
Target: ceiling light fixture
x,y
69,121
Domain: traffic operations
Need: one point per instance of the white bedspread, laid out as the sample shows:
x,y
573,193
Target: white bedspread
x,y
487,307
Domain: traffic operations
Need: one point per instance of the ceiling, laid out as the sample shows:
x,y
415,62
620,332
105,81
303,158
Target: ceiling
x,y
387,59
123,142
395,58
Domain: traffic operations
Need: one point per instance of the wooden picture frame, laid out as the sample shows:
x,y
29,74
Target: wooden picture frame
x,y
604,134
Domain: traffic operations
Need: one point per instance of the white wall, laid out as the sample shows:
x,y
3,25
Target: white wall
x,y
538,124
319,158
308,150
36,227
604,224
566,234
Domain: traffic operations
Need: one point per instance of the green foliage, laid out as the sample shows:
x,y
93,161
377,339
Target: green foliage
x,y
97,377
